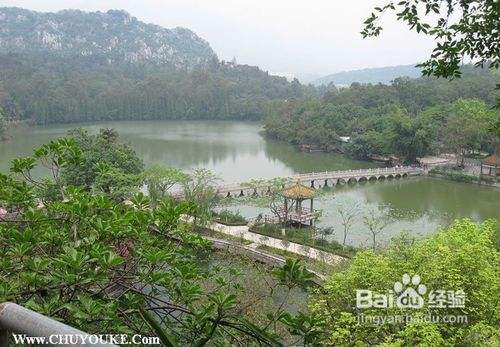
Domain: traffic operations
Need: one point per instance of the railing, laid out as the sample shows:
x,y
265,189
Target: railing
x,y
327,175
15,319
234,187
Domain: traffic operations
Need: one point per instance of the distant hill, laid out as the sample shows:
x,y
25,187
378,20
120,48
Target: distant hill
x,y
74,66
114,35
372,75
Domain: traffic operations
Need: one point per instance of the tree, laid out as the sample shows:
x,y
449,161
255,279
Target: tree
x,y
376,220
101,264
348,210
200,190
159,180
467,127
410,140
460,29
100,154
459,258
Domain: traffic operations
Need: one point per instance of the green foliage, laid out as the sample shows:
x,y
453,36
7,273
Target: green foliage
x,y
293,274
305,236
408,119
105,163
230,218
460,28
56,89
132,70
454,175
461,257
200,191
99,263
159,180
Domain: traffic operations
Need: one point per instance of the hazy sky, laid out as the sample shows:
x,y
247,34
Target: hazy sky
x,y
282,36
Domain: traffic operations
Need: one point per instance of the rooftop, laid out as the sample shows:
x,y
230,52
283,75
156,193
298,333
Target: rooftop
x,y
493,160
298,191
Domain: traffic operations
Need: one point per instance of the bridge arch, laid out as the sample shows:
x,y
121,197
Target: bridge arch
x,y
372,178
390,176
363,179
405,175
352,180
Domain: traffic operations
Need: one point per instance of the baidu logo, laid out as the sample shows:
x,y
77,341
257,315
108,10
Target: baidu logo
x,y
410,293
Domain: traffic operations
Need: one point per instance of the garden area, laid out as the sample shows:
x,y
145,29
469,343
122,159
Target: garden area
x,y
309,236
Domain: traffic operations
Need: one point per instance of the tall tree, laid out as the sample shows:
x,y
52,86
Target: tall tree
x,y
348,210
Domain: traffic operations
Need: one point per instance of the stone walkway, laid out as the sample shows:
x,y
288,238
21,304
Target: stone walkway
x,y
243,232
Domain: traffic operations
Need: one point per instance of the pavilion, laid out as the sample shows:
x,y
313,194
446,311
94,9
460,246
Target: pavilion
x,y
490,166
292,210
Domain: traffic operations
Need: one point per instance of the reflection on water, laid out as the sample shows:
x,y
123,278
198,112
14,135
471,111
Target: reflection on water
x,y
237,152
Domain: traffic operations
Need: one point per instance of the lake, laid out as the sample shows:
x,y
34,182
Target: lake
x,y
237,152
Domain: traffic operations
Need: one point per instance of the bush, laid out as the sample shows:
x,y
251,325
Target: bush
x,y
230,218
460,258
454,175
307,236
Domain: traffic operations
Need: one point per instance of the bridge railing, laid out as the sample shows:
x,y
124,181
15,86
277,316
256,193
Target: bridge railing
x,y
15,319
323,175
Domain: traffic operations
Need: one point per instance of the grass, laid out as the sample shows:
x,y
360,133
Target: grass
x,y
305,236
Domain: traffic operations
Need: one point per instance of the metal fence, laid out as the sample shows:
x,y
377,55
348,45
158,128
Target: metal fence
x,y
15,319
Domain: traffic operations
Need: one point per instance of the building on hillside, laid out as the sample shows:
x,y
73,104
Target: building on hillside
x,y
490,166
389,161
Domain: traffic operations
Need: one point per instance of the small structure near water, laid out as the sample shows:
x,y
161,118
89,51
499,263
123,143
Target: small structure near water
x,y
387,160
491,166
292,210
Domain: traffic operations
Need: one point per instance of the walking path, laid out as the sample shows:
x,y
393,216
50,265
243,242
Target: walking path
x,y
259,255
292,247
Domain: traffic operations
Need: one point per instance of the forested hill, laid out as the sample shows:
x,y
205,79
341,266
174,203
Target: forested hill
x,y
408,118
73,66
372,75
114,35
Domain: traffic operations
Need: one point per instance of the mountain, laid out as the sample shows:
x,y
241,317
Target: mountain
x,y
74,66
372,75
113,35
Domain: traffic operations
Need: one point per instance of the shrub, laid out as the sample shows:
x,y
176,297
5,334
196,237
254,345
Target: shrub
x,y
230,218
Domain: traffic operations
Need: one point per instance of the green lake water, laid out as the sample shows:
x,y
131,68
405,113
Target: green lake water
x,y
237,152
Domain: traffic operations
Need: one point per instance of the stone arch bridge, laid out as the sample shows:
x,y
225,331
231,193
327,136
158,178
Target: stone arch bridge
x,y
323,179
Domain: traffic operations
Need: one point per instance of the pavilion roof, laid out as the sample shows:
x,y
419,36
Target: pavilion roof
x,y
298,191
493,160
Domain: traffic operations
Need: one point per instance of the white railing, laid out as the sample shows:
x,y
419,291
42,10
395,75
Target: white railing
x,y
325,175
235,187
